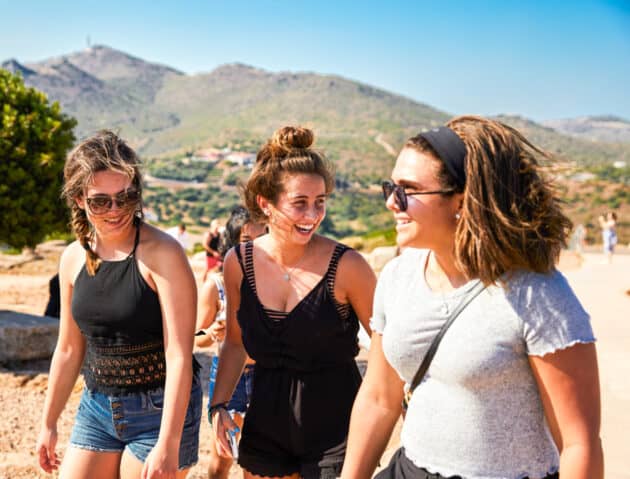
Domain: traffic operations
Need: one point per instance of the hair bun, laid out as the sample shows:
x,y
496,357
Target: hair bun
x,y
293,137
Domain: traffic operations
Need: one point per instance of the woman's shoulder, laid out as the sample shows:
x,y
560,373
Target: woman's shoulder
x,y
71,261
544,294
408,260
154,240
158,250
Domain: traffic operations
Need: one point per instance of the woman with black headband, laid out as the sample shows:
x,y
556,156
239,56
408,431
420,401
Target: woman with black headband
x,y
512,390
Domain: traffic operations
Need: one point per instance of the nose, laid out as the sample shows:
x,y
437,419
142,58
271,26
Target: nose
x,y
313,212
391,204
115,206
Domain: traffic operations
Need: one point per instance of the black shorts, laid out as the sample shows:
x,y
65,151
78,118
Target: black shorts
x,y
298,422
401,467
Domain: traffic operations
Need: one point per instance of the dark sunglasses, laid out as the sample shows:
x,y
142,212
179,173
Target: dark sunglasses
x,y
400,195
101,204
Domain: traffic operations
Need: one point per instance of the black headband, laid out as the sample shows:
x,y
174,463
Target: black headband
x,y
451,150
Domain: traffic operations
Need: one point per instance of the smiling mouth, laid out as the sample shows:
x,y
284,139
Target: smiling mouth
x,y
402,222
114,221
304,228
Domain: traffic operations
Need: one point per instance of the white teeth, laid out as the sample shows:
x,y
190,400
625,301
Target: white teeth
x,y
305,227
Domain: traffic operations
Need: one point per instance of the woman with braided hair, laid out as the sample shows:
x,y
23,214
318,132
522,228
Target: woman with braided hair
x,y
294,304
128,302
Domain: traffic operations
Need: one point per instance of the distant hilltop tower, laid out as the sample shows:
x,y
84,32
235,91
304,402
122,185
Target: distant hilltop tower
x,y
89,43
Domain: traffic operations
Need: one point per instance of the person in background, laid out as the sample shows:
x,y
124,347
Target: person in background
x,y
128,304
294,303
608,223
513,389
179,233
211,329
211,244
53,305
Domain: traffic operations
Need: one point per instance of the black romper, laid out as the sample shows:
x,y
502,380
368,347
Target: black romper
x,y
305,379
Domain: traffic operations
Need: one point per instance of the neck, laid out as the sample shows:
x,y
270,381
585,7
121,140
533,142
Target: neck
x,y
442,273
115,246
287,253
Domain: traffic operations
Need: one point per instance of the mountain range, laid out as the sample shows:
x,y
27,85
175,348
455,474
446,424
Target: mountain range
x,y
163,111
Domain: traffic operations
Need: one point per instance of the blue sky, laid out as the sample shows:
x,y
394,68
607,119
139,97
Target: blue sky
x,y
540,59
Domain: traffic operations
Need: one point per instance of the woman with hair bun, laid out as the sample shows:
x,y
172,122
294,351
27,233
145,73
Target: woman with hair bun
x,y
512,391
294,303
127,316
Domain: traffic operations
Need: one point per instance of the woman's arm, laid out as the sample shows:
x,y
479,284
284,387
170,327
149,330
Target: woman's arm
x,y
206,312
376,409
175,285
568,381
356,281
66,361
233,356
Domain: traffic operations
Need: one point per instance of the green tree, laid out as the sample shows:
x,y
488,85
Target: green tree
x,y
34,139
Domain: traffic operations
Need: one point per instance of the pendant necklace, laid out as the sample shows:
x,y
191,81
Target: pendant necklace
x,y
289,271
440,285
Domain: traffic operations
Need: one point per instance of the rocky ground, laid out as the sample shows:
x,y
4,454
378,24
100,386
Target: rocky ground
x,y
24,287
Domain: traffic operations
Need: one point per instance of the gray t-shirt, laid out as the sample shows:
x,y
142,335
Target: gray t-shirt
x,y
477,413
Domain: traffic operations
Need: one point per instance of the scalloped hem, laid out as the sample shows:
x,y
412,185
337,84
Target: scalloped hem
x,y
561,348
444,474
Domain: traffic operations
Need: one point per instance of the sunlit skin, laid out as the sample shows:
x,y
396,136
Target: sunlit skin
x,y
298,211
430,220
114,229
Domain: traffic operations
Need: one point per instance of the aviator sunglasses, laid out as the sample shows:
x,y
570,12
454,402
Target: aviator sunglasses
x,y
400,195
125,200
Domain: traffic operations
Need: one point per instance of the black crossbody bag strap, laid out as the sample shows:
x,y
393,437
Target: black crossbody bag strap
x,y
426,362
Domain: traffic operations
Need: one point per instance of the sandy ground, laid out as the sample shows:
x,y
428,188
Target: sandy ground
x,y
603,289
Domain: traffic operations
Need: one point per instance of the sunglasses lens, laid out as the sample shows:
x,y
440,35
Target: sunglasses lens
x,y
127,199
387,187
401,198
100,204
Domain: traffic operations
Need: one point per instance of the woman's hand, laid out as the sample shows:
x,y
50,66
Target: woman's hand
x,y
223,426
46,443
161,463
217,331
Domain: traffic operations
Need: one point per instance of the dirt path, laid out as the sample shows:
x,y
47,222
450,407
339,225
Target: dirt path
x,y
386,146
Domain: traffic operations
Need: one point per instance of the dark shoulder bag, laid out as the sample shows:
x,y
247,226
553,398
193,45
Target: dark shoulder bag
x,y
426,362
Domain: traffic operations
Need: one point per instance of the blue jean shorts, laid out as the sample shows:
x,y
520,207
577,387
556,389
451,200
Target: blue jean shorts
x,y
243,392
107,423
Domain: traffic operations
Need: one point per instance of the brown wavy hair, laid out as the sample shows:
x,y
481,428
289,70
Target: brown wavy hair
x,y
287,152
101,152
511,216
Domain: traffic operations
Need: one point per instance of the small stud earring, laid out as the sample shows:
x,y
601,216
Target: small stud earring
x,y
458,216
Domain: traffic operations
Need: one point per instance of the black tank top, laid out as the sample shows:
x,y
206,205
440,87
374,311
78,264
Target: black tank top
x,y
318,333
120,316
213,243
116,306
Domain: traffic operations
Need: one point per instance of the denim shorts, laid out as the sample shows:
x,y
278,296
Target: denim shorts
x,y
107,423
243,392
